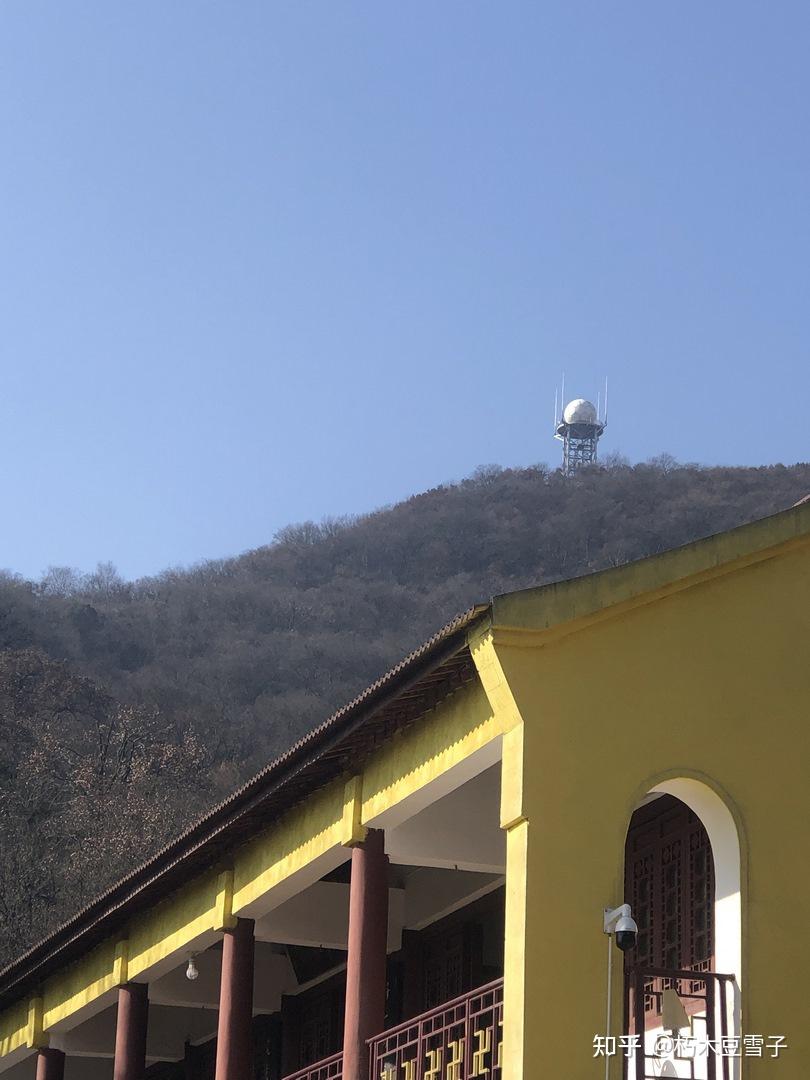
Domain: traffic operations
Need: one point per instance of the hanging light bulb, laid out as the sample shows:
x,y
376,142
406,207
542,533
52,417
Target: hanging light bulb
x,y
192,970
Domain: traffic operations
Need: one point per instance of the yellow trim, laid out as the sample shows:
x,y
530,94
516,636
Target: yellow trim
x,y
354,832
512,809
34,1035
514,976
340,813
301,836
173,924
224,919
14,1028
416,757
166,929
83,982
493,680
120,962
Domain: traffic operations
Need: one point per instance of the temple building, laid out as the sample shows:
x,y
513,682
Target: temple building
x,y
417,890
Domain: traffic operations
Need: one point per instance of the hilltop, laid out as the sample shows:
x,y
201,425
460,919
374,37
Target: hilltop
x,y
127,707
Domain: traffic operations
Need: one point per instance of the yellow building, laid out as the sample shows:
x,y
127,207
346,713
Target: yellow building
x,y
416,891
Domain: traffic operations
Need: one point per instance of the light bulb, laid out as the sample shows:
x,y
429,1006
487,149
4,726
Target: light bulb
x,y
192,971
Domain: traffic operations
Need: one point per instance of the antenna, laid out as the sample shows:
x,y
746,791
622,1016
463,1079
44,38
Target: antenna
x,y
562,393
555,407
605,420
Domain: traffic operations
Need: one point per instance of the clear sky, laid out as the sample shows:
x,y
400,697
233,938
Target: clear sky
x,y
265,261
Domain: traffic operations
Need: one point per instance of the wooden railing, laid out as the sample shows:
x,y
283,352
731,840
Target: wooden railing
x,y
330,1068
459,1040
707,998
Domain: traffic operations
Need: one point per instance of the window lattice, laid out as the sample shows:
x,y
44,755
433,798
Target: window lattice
x,y
669,881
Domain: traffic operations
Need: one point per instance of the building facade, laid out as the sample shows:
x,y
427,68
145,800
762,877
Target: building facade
x,y
416,890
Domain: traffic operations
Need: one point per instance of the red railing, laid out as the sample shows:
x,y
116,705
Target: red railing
x,y
460,1040
330,1068
707,998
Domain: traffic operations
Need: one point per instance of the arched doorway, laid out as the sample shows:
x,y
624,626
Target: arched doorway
x,y
669,882
682,879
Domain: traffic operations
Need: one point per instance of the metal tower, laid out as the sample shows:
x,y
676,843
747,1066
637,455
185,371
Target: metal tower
x,y
579,429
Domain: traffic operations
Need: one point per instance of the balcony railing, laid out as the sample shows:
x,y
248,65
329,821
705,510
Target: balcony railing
x,y
330,1068
707,998
460,1040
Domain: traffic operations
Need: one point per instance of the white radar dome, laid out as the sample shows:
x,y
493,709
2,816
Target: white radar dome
x,y
580,411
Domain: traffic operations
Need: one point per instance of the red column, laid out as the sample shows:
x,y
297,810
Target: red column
x,y
368,939
234,1035
130,1032
50,1065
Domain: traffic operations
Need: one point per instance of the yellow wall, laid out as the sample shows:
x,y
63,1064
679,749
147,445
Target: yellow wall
x,y
712,681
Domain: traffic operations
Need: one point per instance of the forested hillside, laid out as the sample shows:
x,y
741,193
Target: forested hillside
x,y
126,708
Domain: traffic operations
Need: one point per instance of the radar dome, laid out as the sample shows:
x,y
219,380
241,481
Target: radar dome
x,y
580,411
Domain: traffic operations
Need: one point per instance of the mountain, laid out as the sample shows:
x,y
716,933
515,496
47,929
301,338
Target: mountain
x,y
127,707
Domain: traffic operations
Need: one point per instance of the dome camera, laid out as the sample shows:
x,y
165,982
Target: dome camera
x,y
620,923
626,933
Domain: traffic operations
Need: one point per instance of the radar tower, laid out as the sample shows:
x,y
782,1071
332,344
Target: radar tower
x,y
579,425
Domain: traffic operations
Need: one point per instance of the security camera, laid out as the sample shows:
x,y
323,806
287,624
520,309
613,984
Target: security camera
x,y
620,922
626,933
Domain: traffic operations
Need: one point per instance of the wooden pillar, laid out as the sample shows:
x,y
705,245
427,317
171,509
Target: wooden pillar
x,y
130,1032
50,1064
234,1035
366,962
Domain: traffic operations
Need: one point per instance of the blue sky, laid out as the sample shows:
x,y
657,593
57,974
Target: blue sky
x,y
264,261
